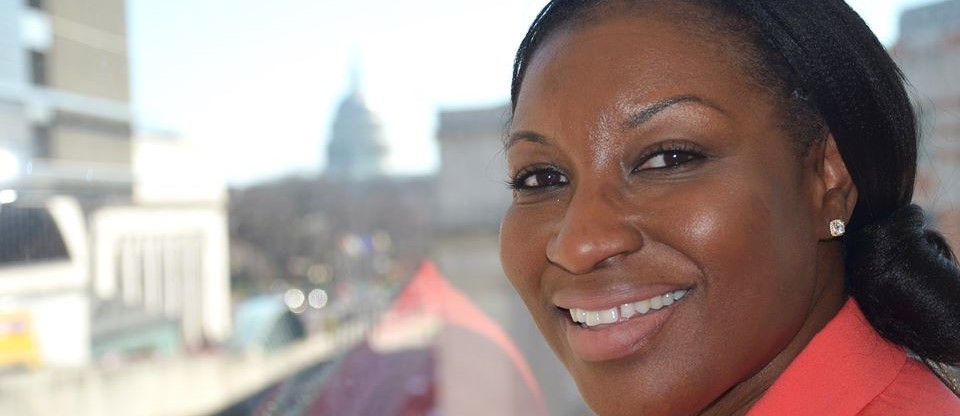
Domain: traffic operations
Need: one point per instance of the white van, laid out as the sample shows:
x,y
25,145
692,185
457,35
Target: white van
x,y
44,284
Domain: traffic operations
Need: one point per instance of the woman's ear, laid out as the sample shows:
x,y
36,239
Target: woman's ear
x,y
838,194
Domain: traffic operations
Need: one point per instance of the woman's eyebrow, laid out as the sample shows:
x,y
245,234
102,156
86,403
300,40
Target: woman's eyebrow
x,y
633,121
646,113
525,135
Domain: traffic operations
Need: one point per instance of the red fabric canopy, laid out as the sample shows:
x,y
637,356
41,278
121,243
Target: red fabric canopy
x,y
458,363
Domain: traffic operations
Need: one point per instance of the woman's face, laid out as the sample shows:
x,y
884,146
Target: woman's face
x,y
651,172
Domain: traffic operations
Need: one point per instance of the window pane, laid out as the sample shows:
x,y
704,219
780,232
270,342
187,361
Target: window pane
x,y
292,207
29,235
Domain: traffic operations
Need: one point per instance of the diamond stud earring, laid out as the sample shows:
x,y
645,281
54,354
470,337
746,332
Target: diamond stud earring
x,y
837,227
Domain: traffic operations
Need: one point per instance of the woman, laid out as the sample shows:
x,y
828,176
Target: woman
x,y
712,211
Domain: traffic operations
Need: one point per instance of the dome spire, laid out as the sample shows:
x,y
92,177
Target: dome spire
x,y
356,72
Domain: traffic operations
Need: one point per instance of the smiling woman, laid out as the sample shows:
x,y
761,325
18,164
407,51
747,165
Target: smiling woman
x,y
684,173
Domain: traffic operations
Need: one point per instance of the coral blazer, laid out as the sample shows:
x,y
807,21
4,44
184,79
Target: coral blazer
x,y
848,369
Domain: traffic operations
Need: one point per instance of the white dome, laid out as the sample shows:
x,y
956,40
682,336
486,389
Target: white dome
x,y
357,149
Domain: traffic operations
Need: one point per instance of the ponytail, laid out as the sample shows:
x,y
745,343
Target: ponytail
x,y
907,282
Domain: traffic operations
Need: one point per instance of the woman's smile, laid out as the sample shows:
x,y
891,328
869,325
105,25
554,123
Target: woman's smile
x,y
616,314
621,330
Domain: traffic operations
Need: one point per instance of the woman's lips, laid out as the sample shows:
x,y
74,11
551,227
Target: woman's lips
x,y
612,333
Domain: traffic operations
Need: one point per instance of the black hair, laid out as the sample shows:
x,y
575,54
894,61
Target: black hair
x,y
832,74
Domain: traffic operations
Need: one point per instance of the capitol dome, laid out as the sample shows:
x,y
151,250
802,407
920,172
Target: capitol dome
x,y
358,149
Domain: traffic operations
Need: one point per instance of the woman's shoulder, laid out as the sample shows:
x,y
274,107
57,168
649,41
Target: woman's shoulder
x,y
848,369
914,391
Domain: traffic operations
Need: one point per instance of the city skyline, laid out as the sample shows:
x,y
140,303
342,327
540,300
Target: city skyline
x,y
283,68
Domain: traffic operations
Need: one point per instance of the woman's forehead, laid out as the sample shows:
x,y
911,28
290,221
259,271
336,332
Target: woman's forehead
x,y
624,62
662,29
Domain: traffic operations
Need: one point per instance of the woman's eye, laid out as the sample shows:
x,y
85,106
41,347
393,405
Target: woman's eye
x,y
667,159
540,178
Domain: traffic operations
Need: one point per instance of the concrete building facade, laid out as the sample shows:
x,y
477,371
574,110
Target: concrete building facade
x,y
64,96
928,51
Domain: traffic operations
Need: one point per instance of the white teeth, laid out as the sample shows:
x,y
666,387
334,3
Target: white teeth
x,y
668,299
578,315
642,307
609,316
625,311
593,319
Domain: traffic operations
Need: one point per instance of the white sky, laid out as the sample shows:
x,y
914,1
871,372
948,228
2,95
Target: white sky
x,y
257,82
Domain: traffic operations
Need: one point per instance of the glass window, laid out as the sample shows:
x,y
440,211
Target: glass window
x,y
29,235
38,67
288,207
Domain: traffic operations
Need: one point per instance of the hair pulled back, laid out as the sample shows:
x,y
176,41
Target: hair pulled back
x,y
824,60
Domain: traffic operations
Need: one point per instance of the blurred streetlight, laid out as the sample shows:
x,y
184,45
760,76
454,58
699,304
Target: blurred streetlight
x,y
295,300
8,196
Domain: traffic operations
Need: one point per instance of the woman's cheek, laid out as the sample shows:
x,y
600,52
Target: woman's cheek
x,y
518,254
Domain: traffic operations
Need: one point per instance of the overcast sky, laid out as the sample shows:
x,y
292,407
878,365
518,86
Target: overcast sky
x,y
258,82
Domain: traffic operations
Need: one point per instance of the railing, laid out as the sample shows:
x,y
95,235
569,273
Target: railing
x,y
196,385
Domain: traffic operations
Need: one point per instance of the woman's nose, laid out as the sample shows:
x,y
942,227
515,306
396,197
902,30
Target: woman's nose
x,y
596,228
